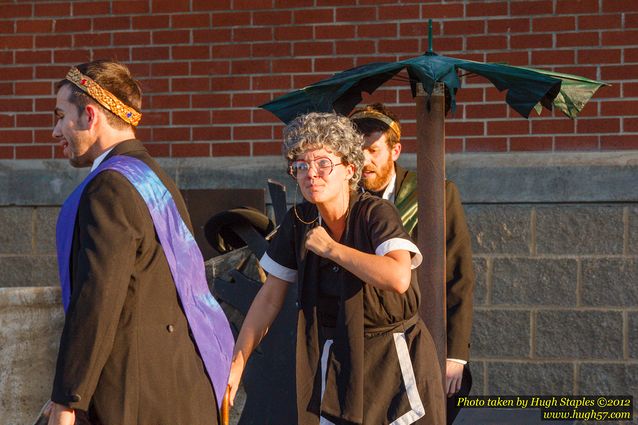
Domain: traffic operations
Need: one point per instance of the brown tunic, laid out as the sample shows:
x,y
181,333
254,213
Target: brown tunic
x,y
371,375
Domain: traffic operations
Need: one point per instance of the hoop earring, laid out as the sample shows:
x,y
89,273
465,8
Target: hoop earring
x,y
294,209
346,203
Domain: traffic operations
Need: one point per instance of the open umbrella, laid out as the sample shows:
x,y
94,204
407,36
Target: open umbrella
x,y
527,88
431,77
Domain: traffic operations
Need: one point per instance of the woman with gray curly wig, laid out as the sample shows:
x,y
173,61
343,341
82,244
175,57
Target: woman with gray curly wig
x,y
358,326
334,132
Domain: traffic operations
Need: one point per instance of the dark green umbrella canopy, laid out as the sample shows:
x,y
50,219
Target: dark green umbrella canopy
x,y
527,88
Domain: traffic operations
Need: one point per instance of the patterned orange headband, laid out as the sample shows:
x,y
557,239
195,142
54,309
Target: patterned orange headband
x,y
379,117
103,97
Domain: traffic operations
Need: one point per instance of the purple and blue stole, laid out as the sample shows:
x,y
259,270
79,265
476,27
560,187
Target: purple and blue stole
x,y
206,320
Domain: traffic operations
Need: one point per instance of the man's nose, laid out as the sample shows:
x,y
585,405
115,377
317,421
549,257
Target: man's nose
x,y
55,133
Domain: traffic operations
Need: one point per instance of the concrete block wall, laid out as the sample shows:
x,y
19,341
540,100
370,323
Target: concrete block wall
x,y
31,321
556,302
555,239
27,245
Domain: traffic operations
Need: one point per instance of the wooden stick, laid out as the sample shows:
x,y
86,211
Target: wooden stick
x,y
225,414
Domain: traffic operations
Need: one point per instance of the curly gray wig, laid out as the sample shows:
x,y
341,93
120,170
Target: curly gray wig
x,y
325,130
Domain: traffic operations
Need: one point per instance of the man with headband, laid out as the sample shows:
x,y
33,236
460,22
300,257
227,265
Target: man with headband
x,y
385,178
144,342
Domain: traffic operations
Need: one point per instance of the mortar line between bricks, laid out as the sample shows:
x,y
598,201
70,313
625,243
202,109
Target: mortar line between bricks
x,y
532,225
625,335
532,333
499,202
558,360
30,255
33,229
523,360
579,282
545,308
625,220
488,281
557,256
485,378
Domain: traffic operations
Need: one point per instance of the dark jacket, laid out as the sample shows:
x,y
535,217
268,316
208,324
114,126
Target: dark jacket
x,y
126,355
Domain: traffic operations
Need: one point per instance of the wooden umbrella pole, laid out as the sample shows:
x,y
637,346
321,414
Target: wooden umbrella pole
x,y
430,125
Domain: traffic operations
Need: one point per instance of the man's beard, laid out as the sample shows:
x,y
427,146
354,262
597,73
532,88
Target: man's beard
x,y
381,177
79,161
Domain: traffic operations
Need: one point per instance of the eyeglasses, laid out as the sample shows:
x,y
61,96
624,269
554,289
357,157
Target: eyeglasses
x,y
300,168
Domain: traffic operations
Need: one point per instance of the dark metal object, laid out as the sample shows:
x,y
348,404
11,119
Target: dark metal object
x,y
278,200
237,228
202,204
431,227
269,377
239,292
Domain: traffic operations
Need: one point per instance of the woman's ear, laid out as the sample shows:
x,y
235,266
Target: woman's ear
x,y
349,171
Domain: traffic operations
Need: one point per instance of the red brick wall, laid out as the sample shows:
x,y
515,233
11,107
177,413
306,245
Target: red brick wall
x,y
206,64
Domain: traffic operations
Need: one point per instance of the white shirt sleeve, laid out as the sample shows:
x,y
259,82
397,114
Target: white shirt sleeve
x,y
274,268
396,244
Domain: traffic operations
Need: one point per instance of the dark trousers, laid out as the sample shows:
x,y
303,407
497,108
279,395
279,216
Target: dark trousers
x,y
452,402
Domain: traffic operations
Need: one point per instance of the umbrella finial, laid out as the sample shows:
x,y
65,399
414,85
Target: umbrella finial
x,y
429,36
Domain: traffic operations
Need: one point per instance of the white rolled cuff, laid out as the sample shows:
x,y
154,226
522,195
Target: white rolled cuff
x,y
458,361
274,268
396,244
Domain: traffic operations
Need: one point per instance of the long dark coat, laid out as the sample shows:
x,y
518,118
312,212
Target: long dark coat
x,y
126,356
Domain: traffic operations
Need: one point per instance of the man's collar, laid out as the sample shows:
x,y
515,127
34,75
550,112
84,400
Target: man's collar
x,y
388,193
122,148
100,158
